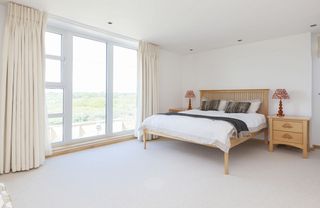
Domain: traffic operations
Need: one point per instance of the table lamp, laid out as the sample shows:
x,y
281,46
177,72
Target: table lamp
x,y
280,94
190,94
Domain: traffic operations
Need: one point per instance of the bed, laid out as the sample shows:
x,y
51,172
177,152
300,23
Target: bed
x,y
186,128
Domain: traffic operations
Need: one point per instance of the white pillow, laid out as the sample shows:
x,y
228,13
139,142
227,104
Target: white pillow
x,y
254,107
222,105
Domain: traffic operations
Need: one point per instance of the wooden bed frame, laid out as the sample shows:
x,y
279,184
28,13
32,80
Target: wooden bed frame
x,y
236,95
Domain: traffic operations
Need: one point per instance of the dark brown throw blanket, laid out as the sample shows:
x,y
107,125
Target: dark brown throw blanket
x,y
239,125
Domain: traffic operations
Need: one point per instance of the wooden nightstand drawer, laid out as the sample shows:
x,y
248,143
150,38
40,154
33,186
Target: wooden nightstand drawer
x,y
288,137
288,126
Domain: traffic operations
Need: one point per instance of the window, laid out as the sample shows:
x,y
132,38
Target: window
x,y
54,86
124,88
91,87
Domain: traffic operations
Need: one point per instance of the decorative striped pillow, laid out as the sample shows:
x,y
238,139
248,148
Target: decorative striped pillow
x,y
214,105
210,105
231,107
243,107
237,107
203,106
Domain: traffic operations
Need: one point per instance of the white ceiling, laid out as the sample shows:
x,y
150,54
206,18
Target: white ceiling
x,y
179,25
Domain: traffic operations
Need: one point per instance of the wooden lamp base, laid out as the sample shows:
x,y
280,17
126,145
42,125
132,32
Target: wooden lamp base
x,y
280,111
189,106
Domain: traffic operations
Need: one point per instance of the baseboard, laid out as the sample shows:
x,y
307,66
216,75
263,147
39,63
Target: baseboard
x,y
88,145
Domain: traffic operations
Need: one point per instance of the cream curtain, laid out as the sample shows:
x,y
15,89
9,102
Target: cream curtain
x,y
148,96
22,90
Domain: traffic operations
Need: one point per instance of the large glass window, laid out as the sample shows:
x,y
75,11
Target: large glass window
x,y
54,86
91,87
124,88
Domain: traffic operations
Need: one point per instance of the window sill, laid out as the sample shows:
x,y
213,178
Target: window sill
x,y
89,144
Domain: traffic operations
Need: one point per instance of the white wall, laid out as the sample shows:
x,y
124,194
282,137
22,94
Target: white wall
x,y
278,63
315,130
170,80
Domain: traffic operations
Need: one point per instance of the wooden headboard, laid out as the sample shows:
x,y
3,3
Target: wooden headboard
x,y
240,95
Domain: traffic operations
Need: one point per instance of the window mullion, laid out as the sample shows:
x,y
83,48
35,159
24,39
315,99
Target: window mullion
x,y
55,115
53,85
60,58
109,105
67,81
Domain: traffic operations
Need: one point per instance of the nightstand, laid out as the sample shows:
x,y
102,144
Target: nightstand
x,y
176,110
293,131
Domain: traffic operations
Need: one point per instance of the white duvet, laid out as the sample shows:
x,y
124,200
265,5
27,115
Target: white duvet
x,y
202,130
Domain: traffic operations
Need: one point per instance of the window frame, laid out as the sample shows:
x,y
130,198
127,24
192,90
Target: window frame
x,y
66,83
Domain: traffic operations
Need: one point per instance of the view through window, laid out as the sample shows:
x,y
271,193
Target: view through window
x,y
89,88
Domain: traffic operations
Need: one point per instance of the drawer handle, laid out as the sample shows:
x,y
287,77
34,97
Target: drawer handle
x,y
287,136
287,126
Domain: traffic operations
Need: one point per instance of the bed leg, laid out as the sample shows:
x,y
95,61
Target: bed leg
x,y
266,133
226,163
145,139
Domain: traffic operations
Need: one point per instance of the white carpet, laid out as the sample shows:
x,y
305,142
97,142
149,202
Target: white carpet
x,y
170,174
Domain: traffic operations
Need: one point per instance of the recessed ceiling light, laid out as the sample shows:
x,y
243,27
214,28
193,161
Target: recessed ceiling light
x,y
313,25
240,40
191,49
110,23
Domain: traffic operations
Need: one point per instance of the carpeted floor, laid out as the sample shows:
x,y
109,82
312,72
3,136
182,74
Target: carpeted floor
x,y
170,174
